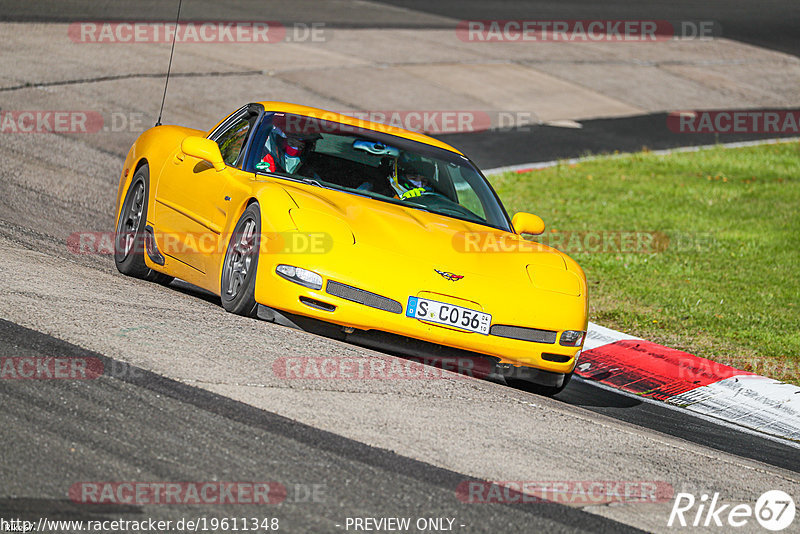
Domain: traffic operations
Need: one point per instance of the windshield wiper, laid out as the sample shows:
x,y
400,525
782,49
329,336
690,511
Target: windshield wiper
x,y
309,181
312,181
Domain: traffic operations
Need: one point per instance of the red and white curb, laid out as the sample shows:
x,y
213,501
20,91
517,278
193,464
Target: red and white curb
x,y
693,383
654,372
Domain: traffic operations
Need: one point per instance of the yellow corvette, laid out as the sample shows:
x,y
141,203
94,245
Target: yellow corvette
x,y
370,233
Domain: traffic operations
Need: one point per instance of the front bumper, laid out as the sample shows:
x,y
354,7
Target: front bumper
x,y
375,317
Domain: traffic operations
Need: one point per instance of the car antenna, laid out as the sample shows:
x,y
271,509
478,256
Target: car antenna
x,y
169,67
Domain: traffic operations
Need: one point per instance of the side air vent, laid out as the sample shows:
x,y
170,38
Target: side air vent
x,y
151,247
523,334
360,296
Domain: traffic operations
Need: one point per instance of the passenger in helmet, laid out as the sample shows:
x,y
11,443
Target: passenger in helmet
x,y
284,152
293,153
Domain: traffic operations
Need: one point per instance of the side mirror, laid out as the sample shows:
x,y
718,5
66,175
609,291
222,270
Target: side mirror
x,y
205,149
527,223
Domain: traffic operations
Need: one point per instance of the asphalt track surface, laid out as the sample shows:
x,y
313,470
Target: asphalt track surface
x,y
677,423
144,427
147,427
536,143
768,23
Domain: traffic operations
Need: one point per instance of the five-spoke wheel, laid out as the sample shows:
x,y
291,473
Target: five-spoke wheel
x,y
237,287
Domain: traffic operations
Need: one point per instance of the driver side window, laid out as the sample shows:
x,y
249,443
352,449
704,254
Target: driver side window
x,y
232,140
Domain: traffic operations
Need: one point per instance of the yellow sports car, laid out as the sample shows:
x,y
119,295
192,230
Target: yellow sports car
x,y
374,234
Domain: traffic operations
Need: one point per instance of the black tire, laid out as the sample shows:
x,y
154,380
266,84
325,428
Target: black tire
x,y
545,391
238,282
129,248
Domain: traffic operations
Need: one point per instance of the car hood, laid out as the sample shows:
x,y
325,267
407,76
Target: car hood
x,y
447,244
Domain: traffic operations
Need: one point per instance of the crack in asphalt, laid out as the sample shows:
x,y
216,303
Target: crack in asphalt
x,y
97,79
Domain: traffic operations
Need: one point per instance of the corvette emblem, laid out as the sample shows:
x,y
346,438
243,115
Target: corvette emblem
x,y
449,276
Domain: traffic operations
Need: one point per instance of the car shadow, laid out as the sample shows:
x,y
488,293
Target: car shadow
x,y
193,291
584,393
577,393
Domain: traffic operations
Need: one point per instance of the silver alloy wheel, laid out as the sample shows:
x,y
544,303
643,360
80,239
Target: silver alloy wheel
x,y
132,218
238,265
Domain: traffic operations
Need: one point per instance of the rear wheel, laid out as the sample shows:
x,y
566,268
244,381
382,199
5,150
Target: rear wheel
x,y
238,284
129,245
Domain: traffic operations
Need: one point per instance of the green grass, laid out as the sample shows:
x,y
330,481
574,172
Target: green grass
x,y
725,286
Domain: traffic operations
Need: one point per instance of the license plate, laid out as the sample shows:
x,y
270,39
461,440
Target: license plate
x,y
448,314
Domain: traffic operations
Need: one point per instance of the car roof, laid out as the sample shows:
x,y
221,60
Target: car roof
x,y
333,116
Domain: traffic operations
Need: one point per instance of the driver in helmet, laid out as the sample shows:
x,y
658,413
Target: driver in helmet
x,y
412,179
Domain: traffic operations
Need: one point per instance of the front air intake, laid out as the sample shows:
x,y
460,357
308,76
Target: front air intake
x,y
360,296
558,358
523,334
318,304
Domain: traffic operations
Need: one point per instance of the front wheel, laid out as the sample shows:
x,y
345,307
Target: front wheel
x,y
129,243
545,391
238,284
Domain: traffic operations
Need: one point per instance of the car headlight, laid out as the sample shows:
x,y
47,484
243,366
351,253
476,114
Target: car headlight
x,y
571,338
301,276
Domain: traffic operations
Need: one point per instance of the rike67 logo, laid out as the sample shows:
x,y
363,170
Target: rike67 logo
x,y
774,510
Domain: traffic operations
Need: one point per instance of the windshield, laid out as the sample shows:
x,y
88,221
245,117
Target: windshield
x,y
374,164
